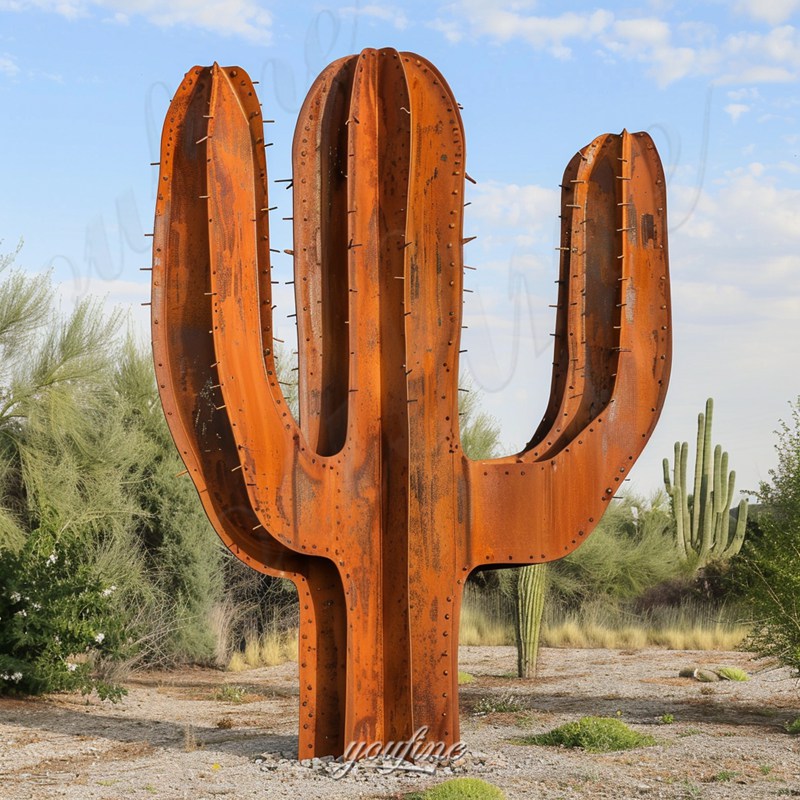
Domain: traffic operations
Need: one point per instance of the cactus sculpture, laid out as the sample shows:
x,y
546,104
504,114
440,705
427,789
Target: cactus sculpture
x,y
703,527
368,503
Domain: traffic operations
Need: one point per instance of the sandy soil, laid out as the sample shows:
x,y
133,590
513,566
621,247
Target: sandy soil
x,y
171,738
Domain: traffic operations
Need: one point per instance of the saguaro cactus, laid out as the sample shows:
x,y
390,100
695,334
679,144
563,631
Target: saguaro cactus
x,y
703,528
369,503
531,593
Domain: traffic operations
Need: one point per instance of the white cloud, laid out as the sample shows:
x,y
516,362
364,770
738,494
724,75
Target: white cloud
x,y
245,18
8,65
670,51
395,16
650,40
747,93
747,214
512,205
774,12
450,29
735,110
120,294
503,21
760,74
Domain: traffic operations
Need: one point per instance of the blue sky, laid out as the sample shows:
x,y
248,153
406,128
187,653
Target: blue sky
x,y
84,85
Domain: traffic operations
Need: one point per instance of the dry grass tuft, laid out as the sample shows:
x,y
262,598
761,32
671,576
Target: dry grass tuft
x,y
691,626
271,648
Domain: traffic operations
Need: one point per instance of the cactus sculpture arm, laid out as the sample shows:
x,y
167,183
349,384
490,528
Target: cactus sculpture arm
x,y
186,369
368,502
704,531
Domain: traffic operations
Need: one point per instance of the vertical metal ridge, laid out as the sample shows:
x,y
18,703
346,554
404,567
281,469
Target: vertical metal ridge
x,y
265,431
320,214
182,315
394,144
433,277
593,299
561,358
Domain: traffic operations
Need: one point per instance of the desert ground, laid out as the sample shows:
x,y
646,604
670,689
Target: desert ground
x,y
205,734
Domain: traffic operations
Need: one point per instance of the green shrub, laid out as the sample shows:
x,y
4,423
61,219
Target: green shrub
x,y
631,550
732,674
498,704
794,727
58,618
771,563
460,789
84,448
593,734
228,693
183,554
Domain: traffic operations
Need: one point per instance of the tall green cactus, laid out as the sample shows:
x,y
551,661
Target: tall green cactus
x,y
531,592
703,527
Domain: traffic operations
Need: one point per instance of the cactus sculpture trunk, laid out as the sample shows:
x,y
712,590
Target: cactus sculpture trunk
x,y
368,503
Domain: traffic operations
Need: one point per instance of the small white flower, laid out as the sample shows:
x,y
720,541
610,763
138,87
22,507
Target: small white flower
x,y
99,638
52,558
111,589
57,639
72,667
4,676
36,606
15,597
16,677
21,613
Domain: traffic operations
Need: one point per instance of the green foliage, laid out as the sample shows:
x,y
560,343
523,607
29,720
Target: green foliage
x,y
593,734
184,554
771,564
58,618
480,432
629,551
464,678
794,727
286,367
229,693
460,789
702,517
498,704
85,453
732,674
531,593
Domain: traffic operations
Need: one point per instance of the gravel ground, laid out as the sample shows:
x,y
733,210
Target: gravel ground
x,y
170,738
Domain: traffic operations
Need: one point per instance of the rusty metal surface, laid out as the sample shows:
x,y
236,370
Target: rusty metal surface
x,y
187,376
368,503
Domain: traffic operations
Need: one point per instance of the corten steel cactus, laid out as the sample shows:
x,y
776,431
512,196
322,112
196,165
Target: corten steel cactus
x,y
368,503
